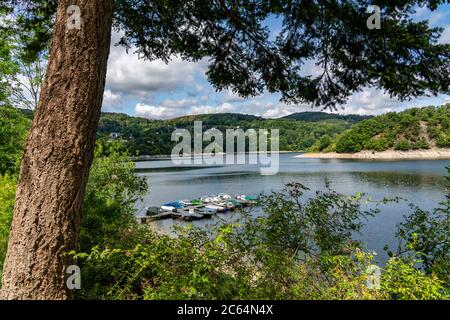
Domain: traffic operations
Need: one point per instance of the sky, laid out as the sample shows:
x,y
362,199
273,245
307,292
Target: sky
x,y
156,90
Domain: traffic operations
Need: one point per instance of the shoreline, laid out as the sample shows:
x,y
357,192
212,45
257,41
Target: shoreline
x,y
193,155
429,154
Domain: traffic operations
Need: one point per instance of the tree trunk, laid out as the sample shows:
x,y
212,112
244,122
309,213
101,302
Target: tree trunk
x,y
58,155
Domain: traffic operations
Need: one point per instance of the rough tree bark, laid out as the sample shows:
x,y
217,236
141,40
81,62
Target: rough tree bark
x,y
58,155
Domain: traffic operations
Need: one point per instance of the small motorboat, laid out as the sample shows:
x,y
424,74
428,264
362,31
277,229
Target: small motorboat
x,y
196,202
236,203
224,196
247,199
190,215
151,211
226,204
216,207
186,203
206,199
208,210
168,208
205,212
175,204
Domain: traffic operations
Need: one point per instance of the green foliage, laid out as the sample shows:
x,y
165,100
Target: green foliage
x,y
323,143
111,193
152,137
443,141
7,68
404,282
409,129
7,195
21,73
402,145
299,249
427,235
13,132
312,116
348,142
324,223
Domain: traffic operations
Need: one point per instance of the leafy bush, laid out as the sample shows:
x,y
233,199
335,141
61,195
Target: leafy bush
x,y
402,145
404,282
377,144
426,235
7,195
348,143
299,249
443,141
111,193
421,144
13,131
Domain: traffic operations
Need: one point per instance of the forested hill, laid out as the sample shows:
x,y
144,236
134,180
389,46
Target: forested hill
x,y
318,116
152,137
417,128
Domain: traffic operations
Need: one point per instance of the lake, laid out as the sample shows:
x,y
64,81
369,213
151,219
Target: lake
x,y
421,182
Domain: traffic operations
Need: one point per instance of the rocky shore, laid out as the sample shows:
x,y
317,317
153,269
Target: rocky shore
x,y
387,155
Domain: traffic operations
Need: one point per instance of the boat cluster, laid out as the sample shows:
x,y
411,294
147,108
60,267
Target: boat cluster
x,y
196,209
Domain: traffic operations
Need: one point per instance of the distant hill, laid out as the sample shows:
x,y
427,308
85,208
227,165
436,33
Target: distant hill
x,y
417,128
412,129
320,116
153,137
219,118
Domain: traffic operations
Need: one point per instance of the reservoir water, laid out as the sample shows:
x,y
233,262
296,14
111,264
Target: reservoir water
x,y
420,182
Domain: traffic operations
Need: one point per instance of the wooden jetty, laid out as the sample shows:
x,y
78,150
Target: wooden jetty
x,y
201,208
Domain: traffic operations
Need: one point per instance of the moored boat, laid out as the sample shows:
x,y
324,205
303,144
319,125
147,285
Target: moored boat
x,y
168,208
224,196
175,204
236,203
151,211
216,207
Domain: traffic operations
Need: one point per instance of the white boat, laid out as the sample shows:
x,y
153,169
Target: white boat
x,y
168,208
186,202
215,207
225,204
224,196
206,199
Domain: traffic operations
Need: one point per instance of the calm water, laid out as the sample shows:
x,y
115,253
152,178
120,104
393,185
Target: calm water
x,y
420,182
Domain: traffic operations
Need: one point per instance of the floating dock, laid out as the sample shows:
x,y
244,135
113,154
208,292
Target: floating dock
x,y
202,208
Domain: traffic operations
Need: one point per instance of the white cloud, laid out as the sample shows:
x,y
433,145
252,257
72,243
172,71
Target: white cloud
x,y
223,108
445,36
111,100
142,79
180,103
370,101
230,96
153,112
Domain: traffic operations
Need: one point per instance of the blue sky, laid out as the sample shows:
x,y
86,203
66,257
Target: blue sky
x,y
155,90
